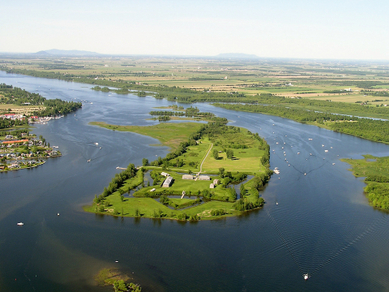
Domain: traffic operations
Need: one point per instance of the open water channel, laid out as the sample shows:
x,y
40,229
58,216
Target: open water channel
x,y
316,219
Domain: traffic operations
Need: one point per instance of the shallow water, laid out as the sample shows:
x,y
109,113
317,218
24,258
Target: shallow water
x,y
322,224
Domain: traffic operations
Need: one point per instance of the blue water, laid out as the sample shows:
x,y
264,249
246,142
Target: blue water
x,y
322,224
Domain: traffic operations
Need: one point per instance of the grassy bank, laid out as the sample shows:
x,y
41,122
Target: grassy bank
x,y
168,134
376,173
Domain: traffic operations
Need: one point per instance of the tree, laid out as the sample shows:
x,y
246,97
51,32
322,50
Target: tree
x,y
215,154
145,162
221,171
230,154
119,285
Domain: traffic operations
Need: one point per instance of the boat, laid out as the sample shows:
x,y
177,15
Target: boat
x,y
96,143
306,276
20,223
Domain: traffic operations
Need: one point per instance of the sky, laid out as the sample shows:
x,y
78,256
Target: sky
x,y
312,29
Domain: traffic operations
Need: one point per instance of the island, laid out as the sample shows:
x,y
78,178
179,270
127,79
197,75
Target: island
x,y
197,180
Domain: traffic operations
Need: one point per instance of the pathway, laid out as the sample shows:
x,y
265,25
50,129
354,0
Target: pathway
x,y
201,166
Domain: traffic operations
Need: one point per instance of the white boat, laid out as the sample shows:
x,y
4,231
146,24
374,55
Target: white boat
x,y
306,276
96,143
20,223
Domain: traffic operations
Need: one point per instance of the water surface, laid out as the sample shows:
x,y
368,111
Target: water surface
x,y
322,224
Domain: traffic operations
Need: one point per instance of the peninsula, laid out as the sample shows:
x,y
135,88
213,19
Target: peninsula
x,y
18,109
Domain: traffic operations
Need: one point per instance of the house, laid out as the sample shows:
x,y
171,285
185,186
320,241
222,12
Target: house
x,y
216,182
212,186
204,177
164,174
168,182
187,176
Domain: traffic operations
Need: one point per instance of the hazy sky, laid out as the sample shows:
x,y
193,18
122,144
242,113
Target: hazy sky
x,y
340,29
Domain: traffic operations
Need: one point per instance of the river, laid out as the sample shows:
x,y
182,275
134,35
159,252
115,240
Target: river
x,y
316,218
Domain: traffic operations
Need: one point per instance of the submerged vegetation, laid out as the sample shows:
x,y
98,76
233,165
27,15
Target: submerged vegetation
x,y
198,196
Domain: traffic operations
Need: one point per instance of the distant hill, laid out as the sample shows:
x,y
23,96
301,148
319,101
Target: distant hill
x,y
236,56
55,52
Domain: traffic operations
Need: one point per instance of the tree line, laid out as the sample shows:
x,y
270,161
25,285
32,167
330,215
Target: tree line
x,y
373,130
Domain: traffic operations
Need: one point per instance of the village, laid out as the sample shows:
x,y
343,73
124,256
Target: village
x,y
20,150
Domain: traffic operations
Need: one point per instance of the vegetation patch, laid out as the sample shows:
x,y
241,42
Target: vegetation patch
x,y
120,281
376,173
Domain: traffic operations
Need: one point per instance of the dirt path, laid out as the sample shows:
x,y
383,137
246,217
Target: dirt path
x,y
201,166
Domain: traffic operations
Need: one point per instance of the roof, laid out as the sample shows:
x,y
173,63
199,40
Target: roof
x,y
16,141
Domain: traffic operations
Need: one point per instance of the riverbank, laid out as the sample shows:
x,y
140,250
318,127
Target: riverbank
x,y
376,173
375,130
